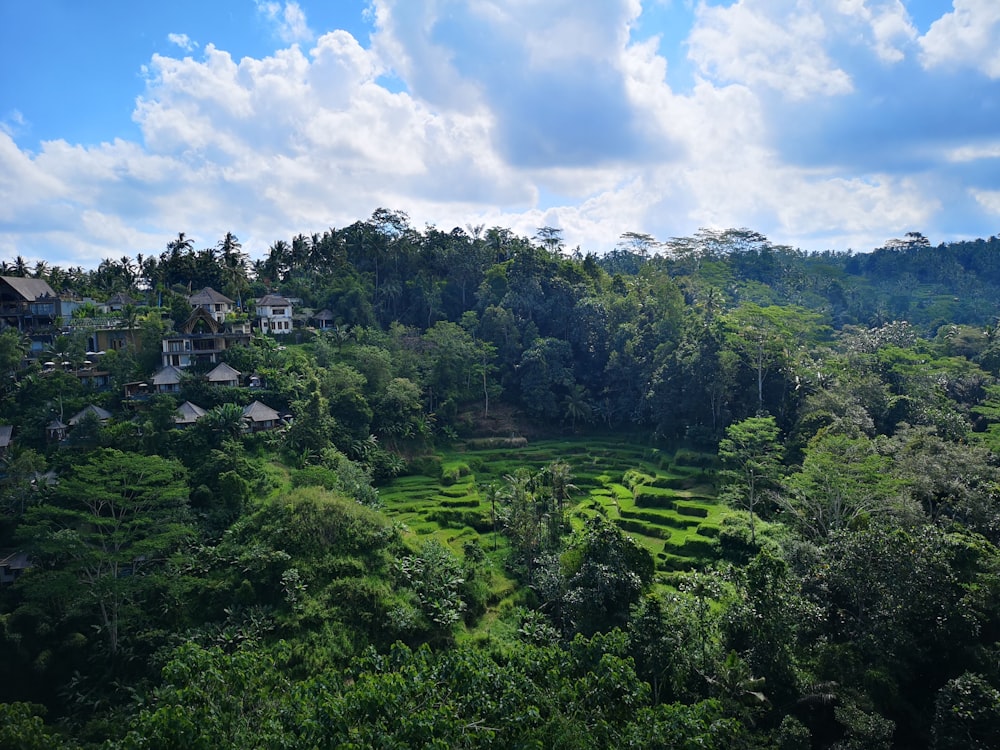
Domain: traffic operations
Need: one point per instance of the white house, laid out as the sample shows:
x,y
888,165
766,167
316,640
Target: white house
x,y
274,314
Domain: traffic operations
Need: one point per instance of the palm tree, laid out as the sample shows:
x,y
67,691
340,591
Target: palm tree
x,y
130,316
276,267
576,405
181,245
561,482
225,421
127,271
234,266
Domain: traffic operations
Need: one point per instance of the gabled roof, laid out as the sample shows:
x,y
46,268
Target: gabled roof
x,y
200,313
223,373
168,375
6,431
209,296
101,414
29,289
258,412
14,560
188,413
323,315
273,300
120,298
55,424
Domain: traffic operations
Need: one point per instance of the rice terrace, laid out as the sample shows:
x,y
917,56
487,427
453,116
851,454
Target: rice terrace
x,y
665,502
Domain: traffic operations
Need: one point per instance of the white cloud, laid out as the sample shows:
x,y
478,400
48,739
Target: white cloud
x,y
780,45
183,41
969,36
973,153
988,199
13,123
521,114
889,22
289,20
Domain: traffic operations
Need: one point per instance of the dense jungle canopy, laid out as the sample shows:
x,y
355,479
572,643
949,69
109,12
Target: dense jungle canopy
x,y
821,429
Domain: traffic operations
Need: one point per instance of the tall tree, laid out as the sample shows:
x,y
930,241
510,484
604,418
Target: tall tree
x,y
751,455
115,518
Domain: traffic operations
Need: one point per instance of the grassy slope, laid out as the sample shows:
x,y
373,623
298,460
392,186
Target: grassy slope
x,y
665,502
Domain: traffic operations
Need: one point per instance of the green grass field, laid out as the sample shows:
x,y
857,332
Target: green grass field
x,y
665,501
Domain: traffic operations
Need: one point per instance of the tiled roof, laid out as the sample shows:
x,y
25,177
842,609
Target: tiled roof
x,y
209,296
223,373
102,414
168,375
29,289
273,300
258,412
188,413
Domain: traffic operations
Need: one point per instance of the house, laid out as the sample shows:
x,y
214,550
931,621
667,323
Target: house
x,y
56,430
202,338
28,303
137,389
188,414
12,565
97,379
118,301
112,339
274,314
103,415
167,380
6,433
323,319
223,374
218,305
260,417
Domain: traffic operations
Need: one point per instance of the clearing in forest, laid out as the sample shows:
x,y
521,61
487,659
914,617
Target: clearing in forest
x,y
665,501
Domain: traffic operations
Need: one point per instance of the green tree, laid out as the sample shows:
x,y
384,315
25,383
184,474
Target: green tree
x,y
843,481
770,338
751,455
114,519
23,729
436,577
606,572
967,714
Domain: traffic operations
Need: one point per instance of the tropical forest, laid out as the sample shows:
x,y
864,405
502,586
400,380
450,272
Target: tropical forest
x,y
392,487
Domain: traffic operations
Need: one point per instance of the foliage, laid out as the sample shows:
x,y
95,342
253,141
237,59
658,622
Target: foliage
x,y
852,399
751,455
112,521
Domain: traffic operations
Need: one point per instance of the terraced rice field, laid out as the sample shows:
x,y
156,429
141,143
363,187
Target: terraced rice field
x,y
665,501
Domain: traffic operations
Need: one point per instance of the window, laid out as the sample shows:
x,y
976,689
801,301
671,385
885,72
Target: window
x,y
277,311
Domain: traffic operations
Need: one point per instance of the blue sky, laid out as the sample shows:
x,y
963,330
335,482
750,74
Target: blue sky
x,y
824,124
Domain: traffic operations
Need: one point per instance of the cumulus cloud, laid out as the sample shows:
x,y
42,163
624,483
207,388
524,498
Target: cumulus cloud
x,y
548,72
526,114
885,25
780,45
988,199
183,41
288,18
969,37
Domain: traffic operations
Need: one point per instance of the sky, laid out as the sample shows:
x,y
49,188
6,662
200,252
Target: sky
x,y
823,124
